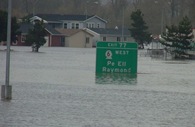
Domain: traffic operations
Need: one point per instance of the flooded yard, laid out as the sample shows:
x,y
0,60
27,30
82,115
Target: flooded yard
x,y
58,87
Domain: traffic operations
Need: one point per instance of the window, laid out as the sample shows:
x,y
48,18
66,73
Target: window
x,y
98,25
104,38
118,39
62,41
73,25
87,40
77,26
89,25
65,25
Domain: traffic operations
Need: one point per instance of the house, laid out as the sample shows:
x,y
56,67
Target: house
x,y
58,37
64,30
76,38
70,21
110,35
53,37
76,30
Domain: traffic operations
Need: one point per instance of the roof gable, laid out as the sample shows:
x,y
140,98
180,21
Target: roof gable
x,y
95,16
70,32
58,17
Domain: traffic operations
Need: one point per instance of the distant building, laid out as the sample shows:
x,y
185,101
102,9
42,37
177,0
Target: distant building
x,y
74,31
58,37
70,21
25,27
76,38
110,35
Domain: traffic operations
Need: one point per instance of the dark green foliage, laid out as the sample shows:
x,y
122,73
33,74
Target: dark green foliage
x,y
35,36
139,29
179,38
3,27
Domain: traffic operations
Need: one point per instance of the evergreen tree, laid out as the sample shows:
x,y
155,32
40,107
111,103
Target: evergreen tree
x,y
3,27
179,38
3,24
139,29
35,36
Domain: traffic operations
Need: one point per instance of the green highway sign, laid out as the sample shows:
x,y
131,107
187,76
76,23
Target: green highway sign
x,y
116,57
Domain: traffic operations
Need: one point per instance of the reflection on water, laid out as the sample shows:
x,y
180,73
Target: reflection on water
x,y
116,78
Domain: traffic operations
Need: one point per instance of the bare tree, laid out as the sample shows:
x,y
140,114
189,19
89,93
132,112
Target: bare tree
x,y
29,5
117,8
136,3
34,3
26,6
112,10
3,4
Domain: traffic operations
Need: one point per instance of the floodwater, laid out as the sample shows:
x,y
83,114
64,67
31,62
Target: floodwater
x,y
58,87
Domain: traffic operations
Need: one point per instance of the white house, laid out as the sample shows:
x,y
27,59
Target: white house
x,y
78,38
70,21
110,35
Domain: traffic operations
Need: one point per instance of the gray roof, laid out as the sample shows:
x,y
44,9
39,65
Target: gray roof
x,y
25,27
58,17
111,31
52,30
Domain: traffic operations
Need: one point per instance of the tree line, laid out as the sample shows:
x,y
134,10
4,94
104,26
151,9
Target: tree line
x,y
157,13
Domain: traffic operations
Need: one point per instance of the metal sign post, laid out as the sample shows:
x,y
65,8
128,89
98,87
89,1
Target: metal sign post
x,y
6,90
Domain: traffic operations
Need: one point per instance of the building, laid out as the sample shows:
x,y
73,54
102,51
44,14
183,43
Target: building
x,y
74,30
59,37
110,35
53,37
79,38
70,21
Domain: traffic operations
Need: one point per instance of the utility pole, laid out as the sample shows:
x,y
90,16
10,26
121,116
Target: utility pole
x,y
6,90
123,20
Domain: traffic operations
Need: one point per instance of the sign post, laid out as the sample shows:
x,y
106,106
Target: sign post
x,y
6,90
116,57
